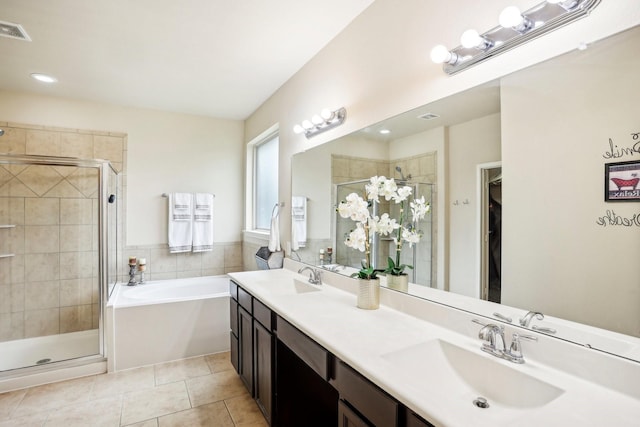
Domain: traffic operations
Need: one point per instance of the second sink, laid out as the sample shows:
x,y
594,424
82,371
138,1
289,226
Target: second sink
x,y
469,375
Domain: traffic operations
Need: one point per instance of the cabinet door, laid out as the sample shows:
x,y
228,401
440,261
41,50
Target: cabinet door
x,y
415,421
245,329
233,334
368,399
349,418
263,369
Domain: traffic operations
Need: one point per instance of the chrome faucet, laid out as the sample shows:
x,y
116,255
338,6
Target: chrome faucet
x,y
493,339
315,276
493,342
526,320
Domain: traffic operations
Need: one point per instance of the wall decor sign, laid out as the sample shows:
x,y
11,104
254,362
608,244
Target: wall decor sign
x,y
621,182
629,149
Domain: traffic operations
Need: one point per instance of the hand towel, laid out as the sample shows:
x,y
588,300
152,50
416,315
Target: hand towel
x,y
299,221
203,223
180,228
274,233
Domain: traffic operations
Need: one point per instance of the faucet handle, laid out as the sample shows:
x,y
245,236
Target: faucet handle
x,y
515,350
526,320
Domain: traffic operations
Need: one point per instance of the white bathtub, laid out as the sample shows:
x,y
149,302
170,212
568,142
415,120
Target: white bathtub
x,y
167,320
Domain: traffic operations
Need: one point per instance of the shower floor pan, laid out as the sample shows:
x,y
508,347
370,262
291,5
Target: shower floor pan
x,y
52,348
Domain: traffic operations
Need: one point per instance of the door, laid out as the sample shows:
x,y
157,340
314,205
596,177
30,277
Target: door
x,y
490,178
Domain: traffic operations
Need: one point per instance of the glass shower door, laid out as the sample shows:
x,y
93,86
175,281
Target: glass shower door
x,y
50,302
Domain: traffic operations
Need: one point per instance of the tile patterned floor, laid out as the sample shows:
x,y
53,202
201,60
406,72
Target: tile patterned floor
x,y
201,391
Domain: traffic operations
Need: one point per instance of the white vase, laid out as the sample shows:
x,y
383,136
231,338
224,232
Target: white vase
x,y
399,283
369,294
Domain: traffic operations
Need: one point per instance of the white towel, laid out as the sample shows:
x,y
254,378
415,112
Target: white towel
x,y
203,223
274,234
180,228
298,222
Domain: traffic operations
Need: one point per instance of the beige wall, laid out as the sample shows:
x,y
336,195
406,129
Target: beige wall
x,y
165,152
470,144
556,128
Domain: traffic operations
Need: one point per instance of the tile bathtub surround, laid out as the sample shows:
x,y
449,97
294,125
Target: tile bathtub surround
x,y
49,281
200,391
162,265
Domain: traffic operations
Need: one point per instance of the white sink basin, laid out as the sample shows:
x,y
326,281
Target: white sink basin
x,y
459,373
291,287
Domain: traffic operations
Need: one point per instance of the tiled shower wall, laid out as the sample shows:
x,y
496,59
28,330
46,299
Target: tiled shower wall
x,y
50,285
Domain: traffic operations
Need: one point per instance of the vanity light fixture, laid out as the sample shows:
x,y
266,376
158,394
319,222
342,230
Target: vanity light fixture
x,y
515,28
44,78
319,123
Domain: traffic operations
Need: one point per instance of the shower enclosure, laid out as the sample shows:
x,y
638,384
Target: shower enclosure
x,y
419,256
58,260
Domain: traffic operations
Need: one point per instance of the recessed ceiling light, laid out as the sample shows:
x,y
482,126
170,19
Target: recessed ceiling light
x,y
385,131
44,78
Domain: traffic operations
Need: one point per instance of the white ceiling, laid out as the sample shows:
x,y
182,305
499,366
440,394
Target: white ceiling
x,y
219,58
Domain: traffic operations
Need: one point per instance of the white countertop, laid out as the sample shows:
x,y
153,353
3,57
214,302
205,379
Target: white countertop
x,y
362,339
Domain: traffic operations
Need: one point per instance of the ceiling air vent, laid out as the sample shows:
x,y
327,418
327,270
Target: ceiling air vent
x,y
428,116
13,31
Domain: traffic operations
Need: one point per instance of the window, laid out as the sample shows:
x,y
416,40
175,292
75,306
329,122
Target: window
x,y
265,181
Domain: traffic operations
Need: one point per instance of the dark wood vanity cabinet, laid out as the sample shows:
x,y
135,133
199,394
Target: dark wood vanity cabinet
x,y
297,382
234,333
252,344
263,359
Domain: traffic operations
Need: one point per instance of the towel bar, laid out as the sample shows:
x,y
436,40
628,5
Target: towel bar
x,y
167,195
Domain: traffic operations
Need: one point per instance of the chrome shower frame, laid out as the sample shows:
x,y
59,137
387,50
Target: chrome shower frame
x,y
104,168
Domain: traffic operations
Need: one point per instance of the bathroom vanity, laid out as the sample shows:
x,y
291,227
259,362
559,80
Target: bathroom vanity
x,y
310,357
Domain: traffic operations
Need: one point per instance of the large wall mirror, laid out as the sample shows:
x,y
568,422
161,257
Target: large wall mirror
x,y
521,160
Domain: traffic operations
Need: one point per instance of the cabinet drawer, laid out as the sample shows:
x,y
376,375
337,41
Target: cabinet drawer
x,y
312,353
376,405
262,314
244,298
233,316
233,289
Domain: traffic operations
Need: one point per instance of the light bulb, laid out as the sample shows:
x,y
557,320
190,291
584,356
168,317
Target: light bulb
x,y
298,129
317,120
306,124
440,54
471,38
511,17
326,114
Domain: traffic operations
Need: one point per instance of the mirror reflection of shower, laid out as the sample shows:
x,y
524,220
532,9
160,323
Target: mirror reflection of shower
x,y
420,255
403,179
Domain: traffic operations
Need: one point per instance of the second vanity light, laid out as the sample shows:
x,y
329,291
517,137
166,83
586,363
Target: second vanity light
x,y
515,28
319,123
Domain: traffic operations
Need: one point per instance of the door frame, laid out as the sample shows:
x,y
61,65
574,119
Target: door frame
x,y
482,238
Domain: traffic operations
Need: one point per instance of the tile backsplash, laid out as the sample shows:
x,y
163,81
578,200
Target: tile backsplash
x,y
161,265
